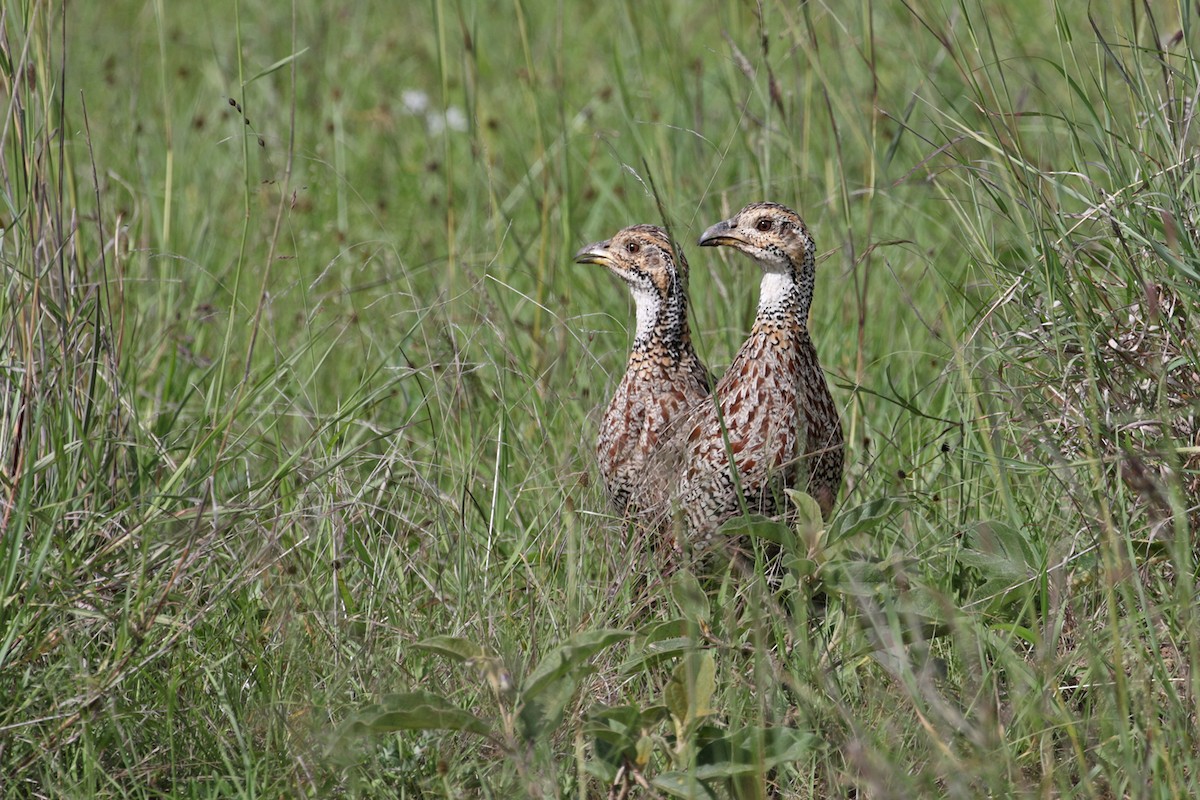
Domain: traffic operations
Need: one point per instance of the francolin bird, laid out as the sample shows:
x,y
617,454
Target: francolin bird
x,y
783,429
664,379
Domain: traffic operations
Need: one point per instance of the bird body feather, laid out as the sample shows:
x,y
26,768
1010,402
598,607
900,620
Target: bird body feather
x,y
664,378
772,423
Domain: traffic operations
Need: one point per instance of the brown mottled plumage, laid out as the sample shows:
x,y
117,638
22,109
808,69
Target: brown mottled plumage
x,y
664,378
782,425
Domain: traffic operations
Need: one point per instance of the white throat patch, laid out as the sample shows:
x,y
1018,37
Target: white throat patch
x,y
775,288
649,306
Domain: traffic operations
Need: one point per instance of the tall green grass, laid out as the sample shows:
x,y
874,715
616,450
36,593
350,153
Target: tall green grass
x,y
299,391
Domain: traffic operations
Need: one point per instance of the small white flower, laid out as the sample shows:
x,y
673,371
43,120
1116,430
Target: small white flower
x,y
414,101
456,119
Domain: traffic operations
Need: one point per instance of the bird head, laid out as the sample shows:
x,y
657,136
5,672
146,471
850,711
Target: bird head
x,y
642,256
771,234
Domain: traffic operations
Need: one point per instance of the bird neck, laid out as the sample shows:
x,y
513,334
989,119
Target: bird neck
x,y
661,323
782,299
785,294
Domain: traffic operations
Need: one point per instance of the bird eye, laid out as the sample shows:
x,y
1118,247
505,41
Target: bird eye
x,y
633,247
764,224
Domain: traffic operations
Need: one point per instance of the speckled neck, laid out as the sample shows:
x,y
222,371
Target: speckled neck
x,y
662,325
649,307
778,293
785,295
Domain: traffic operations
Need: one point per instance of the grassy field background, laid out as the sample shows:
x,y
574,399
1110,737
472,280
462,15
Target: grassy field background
x,y
300,387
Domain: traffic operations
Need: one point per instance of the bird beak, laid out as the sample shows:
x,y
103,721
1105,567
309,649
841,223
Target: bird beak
x,y
723,232
594,253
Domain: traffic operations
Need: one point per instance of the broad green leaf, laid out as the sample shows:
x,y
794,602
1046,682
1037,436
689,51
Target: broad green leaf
x,y
619,732
1029,636
608,740
999,593
452,647
752,526
613,717
689,596
574,654
1004,558
779,745
492,668
854,578
542,714
604,771
654,652
680,784
705,686
688,695
925,604
996,568
675,698
751,749
422,718
865,517
802,567
993,544
417,711
652,715
644,749
660,630
808,511
724,769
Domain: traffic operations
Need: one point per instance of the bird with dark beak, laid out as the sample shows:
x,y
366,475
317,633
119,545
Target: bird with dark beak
x,y
783,428
664,378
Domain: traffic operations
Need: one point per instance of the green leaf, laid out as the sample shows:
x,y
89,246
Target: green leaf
x,y
803,567
705,686
855,578
1004,558
689,596
751,750
675,697
624,717
574,654
542,714
994,567
924,604
655,652
661,630
416,711
621,733
808,511
603,771
752,526
680,784
1003,543
688,695
644,750
452,647
613,730
775,745
1028,635
652,715
464,651
866,517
